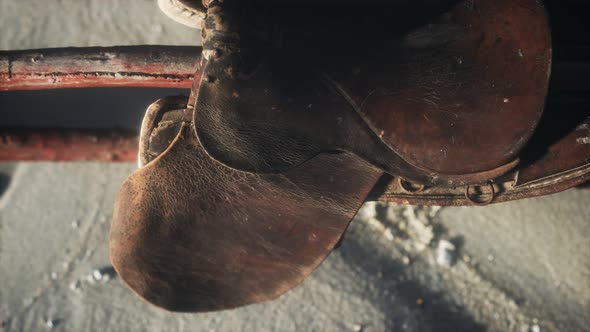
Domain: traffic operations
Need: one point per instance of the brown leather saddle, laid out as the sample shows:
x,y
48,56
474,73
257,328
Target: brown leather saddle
x,y
245,187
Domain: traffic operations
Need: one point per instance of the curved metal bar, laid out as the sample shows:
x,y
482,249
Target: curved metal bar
x,y
485,202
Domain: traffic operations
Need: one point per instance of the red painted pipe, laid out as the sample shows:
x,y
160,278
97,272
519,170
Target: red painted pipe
x,y
68,145
126,66
121,66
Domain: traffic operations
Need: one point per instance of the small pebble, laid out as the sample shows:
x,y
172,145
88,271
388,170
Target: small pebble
x,y
103,274
49,323
388,235
97,275
406,260
491,257
445,253
75,224
535,328
75,286
53,275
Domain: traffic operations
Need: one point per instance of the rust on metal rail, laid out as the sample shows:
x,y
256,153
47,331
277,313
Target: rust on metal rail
x,y
126,66
68,145
122,66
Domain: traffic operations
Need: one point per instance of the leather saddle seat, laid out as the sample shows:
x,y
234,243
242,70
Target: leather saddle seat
x,y
449,104
246,186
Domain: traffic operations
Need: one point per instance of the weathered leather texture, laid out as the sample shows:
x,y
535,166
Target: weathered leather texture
x,y
462,94
191,234
242,193
449,104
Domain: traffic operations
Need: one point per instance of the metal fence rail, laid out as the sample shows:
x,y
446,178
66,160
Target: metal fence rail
x,y
121,66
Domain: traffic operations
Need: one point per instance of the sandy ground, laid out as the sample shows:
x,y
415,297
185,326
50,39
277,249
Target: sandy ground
x,y
27,24
519,266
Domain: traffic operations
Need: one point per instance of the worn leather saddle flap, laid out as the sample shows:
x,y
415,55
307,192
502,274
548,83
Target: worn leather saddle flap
x,y
191,234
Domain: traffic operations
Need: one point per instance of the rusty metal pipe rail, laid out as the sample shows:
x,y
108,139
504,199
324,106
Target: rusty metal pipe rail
x,y
68,145
121,66
93,67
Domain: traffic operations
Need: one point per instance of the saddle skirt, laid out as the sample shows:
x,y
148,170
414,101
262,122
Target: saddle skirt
x,y
247,185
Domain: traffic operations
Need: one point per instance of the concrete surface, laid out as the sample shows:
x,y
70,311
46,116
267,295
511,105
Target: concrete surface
x,y
519,266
